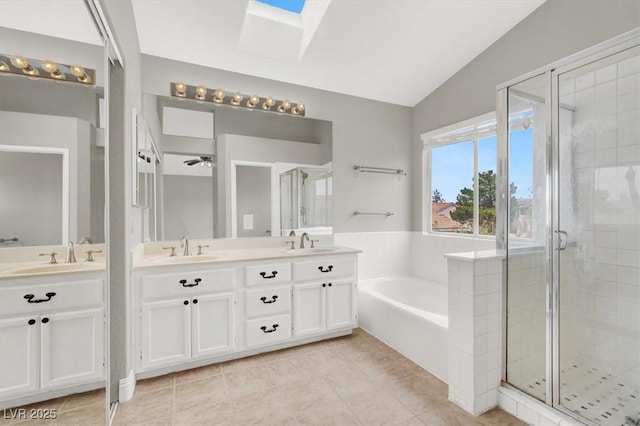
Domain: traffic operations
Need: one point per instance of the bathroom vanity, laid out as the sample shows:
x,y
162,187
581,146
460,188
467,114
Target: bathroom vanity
x,y
195,310
52,329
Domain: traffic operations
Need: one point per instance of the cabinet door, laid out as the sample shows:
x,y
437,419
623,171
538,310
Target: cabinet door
x,y
309,302
72,347
166,333
19,356
341,306
212,324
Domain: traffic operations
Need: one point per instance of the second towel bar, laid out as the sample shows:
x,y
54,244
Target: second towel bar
x,y
357,213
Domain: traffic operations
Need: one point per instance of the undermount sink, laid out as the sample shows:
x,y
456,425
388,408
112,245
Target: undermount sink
x,y
169,260
58,267
312,250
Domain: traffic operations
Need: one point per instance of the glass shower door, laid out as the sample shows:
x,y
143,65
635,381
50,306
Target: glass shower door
x,y
597,241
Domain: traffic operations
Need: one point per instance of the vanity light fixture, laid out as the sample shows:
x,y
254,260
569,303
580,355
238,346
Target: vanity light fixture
x,y
201,93
45,68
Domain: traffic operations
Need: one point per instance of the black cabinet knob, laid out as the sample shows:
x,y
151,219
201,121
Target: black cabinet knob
x,y
195,301
45,320
32,321
324,285
330,284
186,302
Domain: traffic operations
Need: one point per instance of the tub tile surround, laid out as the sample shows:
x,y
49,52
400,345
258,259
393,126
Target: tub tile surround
x,y
384,254
475,329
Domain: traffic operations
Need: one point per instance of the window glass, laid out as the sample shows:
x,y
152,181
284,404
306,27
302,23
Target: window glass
x,y
452,171
487,158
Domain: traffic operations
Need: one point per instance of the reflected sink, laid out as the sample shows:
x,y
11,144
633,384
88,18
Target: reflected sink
x,y
312,250
58,267
170,260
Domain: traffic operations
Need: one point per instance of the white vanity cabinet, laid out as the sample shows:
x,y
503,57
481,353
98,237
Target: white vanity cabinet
x,y
60,326
328,300
193,313
184,315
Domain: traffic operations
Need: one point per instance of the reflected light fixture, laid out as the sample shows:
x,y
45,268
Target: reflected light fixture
x,y
237,100
47,69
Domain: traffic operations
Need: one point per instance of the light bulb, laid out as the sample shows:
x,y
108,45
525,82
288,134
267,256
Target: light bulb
x,y
253,101
300,107
49,66
4,67
286,104
201,92
237,98
268,103
84,79
77,71
181,89
218,95
19,62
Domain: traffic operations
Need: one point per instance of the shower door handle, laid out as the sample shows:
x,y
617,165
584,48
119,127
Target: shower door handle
x,y
562,240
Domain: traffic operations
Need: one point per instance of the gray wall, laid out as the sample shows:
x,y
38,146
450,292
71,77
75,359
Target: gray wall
x,y
253,186
555,30
364,132
188,206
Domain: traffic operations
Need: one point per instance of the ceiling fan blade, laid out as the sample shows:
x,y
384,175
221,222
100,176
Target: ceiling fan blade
x,y
191,162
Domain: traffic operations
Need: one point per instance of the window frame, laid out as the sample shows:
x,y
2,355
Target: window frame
x,y
471,130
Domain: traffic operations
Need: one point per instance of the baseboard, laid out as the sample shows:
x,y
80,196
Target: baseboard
x,y
127,387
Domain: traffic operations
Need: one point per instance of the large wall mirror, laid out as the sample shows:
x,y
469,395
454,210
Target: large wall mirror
x,y
221,172
53,337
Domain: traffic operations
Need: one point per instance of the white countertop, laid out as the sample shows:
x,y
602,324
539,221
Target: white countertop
x,y
238,255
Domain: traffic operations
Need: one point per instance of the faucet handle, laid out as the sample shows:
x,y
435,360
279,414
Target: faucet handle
x,y
313,243
89,254
52,256
293,244
200,246
173,250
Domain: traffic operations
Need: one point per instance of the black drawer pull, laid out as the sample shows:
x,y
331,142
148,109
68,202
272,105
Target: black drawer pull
x,y
30,297
31,322
196,282
264,328
328,269
273,299
45,320
266,277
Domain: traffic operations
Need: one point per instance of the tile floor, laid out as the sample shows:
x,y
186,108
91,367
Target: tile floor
x,y
352,380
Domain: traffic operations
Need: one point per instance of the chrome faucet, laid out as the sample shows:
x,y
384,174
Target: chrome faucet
x,y
302,237
184,242
71,253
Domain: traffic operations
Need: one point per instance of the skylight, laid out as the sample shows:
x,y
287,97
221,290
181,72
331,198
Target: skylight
x,y
294,6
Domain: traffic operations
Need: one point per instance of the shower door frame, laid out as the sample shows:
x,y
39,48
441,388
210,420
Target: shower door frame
x,y
552,72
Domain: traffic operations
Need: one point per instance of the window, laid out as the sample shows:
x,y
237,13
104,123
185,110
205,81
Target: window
x,y
455,159
294,6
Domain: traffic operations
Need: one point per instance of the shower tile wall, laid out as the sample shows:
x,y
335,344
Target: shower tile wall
x,y
600,209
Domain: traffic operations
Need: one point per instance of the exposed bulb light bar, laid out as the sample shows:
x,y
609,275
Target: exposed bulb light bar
x,y
45,68
201,93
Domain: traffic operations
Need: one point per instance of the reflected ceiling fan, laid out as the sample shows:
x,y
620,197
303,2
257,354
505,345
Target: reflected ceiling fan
x,y
203,161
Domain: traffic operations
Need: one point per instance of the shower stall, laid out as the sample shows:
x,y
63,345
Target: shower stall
x,y
569,182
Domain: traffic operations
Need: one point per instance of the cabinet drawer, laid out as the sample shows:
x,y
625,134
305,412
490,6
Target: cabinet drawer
x,y
324,268
51,297
272,273
186,283
266,331
268,301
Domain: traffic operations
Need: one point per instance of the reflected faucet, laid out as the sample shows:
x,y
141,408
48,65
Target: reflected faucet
x,y
292,233
302,237
71,253
184,242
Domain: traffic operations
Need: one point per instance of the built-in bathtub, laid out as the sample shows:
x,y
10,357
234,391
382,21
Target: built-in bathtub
x,y
410,315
